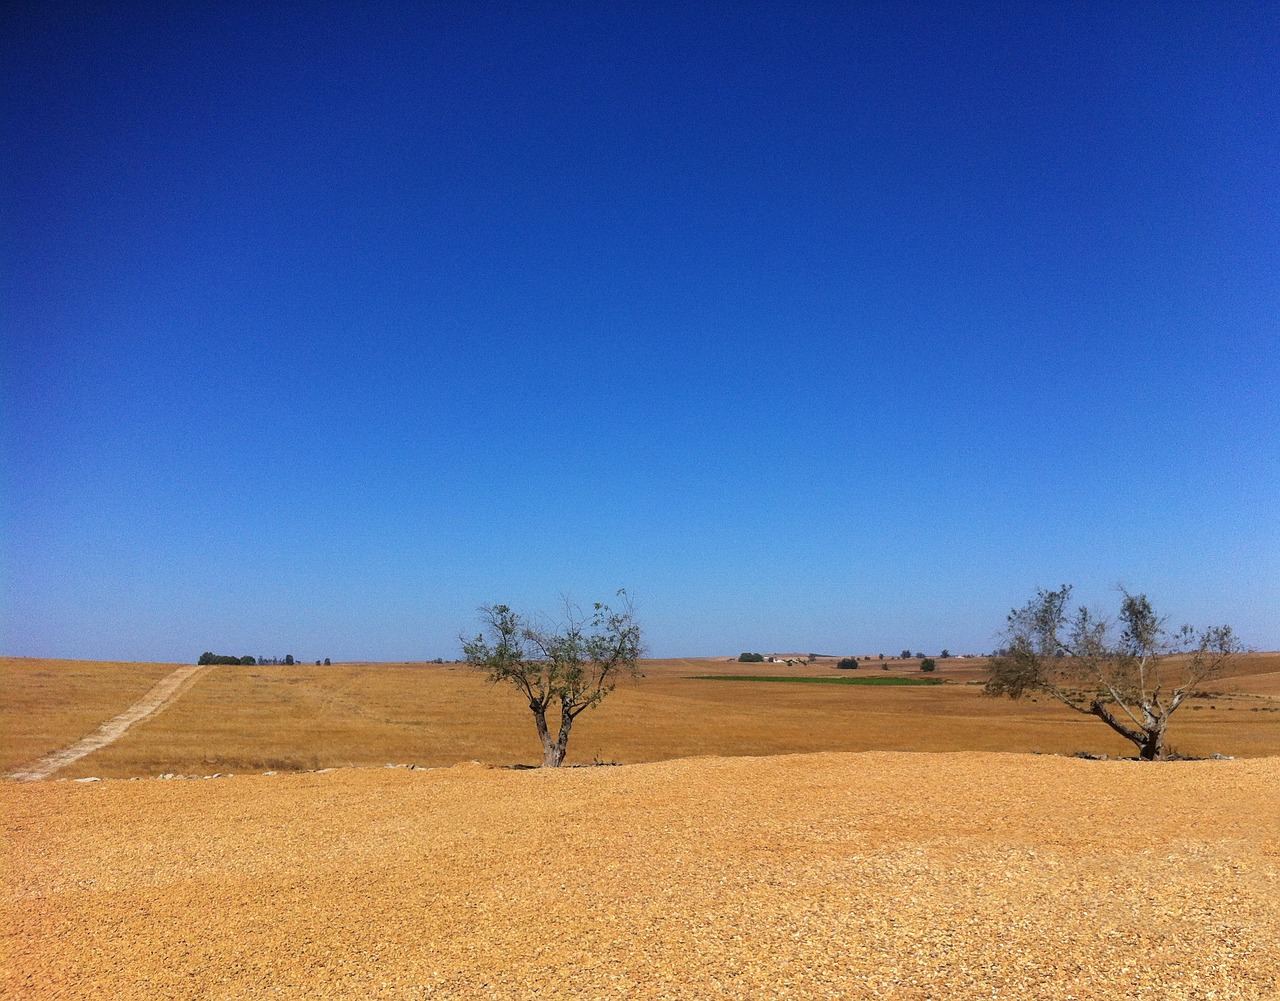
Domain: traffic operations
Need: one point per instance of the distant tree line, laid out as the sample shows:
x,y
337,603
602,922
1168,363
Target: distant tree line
x,y
249,660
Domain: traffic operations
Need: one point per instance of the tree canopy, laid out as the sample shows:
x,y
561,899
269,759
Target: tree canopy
x,y
572,665
220,658
1131,682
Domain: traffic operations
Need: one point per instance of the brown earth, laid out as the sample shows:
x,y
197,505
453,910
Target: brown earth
x,y
238,719
880,875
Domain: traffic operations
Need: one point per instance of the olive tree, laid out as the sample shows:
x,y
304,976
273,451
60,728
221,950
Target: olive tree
x,y
572,665
1125,681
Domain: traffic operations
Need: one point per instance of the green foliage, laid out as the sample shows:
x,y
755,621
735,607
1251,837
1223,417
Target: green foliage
x,y
928,664
248,660
1076,659
751,658
906,654
217,658
945,654
573,665
848,664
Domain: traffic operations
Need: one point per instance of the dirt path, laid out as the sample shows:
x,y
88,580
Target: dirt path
x,y
162,693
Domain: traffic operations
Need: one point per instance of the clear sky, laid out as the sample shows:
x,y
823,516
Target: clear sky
x,y
819,327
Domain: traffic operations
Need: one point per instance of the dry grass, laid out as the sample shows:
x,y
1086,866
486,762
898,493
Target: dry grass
x,y
1257,674
48,704
896,876
238,719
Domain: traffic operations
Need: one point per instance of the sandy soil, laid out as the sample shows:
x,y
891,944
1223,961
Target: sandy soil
x,y
888,875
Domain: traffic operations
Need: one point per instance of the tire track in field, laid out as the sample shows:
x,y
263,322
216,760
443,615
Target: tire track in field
x,y
165,691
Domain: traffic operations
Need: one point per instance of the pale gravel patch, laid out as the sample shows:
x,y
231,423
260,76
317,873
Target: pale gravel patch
x,y
902,876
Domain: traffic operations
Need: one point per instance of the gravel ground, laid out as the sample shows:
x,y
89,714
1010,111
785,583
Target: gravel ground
x,y
886,875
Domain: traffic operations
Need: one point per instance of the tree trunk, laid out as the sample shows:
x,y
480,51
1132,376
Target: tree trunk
x,y
1152,749
552,750
552,753
562,740
1140,737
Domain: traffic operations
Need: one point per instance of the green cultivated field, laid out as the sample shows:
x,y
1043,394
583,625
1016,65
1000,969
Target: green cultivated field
x,y
791,680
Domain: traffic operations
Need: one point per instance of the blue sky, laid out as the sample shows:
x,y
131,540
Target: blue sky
x,y
817,327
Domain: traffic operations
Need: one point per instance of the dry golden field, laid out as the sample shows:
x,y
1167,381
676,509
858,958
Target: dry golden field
x,y
46,704
881,875
726,874
253,719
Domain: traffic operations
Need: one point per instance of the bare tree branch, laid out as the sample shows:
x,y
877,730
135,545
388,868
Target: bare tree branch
x,y
573,664
1044,651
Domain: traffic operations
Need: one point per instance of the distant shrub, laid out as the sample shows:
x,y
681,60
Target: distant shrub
x,y
928,664
326,662
217,658
906,654
248,660
944,655
884,667
288,658
848,664
751,658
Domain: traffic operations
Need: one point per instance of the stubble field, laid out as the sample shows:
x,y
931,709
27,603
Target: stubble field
x,y
254,719
881,874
